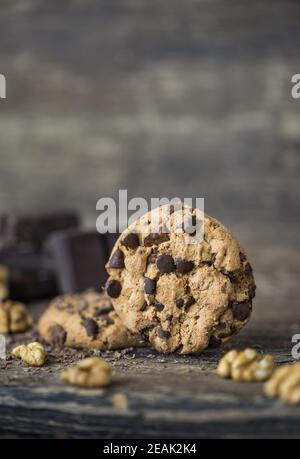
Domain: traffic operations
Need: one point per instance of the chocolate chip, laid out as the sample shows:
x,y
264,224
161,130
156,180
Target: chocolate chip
x,y
169,317
213,258
149,286
141,337
214,342
159,307
131,241
113,288
252,291
221,326
102,310
242,257
91,327
165,264
179,349
117,260
156,239
184,266
248,269
145,331
108,320
58,335
162,333
190,302
232,276
144,306
179,303
190,226
241,311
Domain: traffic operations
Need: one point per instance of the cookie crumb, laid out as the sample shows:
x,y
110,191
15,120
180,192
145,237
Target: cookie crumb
x,y
120,401
91,372
246,366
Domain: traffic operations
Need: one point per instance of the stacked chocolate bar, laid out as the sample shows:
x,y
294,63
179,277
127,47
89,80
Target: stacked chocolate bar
x,y
42,255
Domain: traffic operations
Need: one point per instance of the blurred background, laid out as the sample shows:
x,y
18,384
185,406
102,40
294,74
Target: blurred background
x,y
163,98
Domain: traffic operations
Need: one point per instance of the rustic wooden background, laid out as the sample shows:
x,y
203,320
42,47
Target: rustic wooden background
x,y
169,97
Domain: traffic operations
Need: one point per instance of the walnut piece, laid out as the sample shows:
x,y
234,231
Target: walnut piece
x,y
91,372
285,384
247,366
33,354
14,317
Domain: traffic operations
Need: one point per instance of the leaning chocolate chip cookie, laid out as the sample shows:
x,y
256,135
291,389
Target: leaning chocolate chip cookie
x,y
85,320
184,297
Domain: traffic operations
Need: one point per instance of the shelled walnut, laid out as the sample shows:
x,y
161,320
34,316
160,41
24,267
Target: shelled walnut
x,y
14,317
33,354
90,372
247,366
285,384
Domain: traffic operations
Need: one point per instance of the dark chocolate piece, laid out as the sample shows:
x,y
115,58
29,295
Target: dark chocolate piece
x,y
214,342
252,291
165,264
156,238
102,310
33,229
113,288
31,274
131,241
179,303
58,335
79,259
183,266
191,300
162,333
117,260
144,306
91,327
241,311
111,239
149,286
159,307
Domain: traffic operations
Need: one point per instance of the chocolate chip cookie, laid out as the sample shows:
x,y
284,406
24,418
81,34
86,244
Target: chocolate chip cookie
x,y
85,320
184,297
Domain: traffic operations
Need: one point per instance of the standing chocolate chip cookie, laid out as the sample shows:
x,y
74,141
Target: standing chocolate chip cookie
x,y
85,320
184,297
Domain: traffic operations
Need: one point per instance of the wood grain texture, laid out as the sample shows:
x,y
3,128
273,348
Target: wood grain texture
x,y
170,396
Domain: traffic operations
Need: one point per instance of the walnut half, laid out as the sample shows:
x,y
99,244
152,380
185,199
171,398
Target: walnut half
x,y
247,366
91,372
14,317
285,384
33,354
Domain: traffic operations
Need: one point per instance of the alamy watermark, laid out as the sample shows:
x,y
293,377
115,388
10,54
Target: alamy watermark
x,y
296,88
296,347
117,216
2,86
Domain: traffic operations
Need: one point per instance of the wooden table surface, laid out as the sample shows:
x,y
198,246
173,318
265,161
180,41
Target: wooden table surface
x,y
171,396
